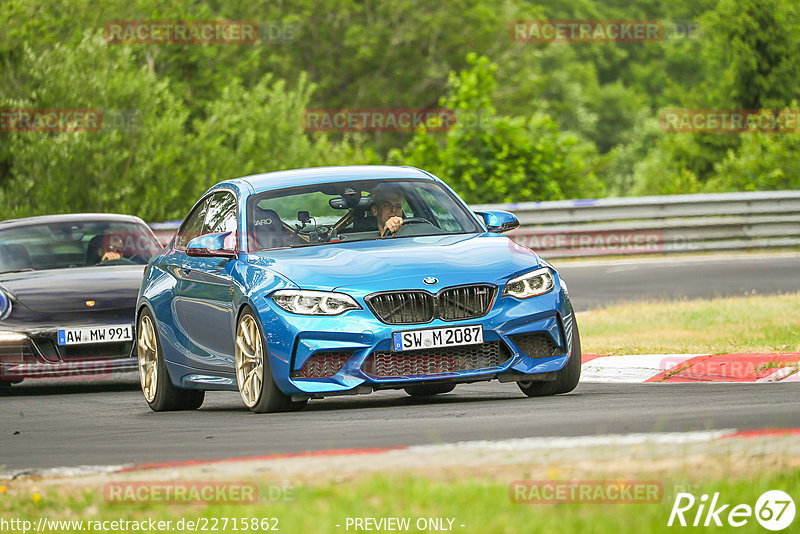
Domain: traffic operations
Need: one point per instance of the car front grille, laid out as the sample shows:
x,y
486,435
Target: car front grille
x,y
388,364
39,357
535,344
466,302
416,307
96,350
402,307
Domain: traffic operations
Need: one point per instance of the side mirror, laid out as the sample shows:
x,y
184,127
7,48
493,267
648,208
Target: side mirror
x,y
212,245
499,221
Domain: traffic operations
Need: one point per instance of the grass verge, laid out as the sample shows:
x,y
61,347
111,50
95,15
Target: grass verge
x,y
479,506
707,326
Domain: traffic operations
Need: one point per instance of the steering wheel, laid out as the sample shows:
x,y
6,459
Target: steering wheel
x,y
410,220
121,261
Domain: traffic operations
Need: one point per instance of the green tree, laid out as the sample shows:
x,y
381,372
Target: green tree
x,y
492,158
261,129
128,167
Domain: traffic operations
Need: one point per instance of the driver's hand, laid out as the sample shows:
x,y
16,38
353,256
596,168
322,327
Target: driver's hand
x,y
111,256
393,224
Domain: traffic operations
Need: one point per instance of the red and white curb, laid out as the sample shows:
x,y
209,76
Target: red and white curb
x,y
688,368
534,449
485,446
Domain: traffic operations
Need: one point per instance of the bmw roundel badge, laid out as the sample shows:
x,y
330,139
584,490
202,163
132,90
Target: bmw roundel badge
x,y
430,280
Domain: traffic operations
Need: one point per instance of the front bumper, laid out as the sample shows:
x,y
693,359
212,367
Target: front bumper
x,y
530,339
36,354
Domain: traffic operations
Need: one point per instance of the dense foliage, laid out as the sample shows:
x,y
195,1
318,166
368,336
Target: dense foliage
x,y
535,121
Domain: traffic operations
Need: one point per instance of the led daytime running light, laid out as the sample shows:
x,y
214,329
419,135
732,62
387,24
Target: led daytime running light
x,y
530,284
314,302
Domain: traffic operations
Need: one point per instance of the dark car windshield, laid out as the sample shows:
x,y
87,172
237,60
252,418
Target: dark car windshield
x,y
343,211
63,245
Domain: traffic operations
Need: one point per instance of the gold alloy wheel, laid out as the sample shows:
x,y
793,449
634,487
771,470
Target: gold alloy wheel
x,y
148,354
249,360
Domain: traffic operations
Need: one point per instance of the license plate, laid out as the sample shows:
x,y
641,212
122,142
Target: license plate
x,y
95,334
451,336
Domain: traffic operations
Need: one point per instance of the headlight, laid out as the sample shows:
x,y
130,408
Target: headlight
x,y
530,284
314,302
5,305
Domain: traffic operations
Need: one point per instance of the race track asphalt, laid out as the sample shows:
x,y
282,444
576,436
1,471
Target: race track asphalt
x,y
594,284
73,422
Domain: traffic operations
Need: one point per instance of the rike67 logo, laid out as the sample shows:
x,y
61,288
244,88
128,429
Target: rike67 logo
x,y
774,510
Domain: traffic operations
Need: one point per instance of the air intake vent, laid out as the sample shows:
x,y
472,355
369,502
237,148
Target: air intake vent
x,y
323,364
535,344
387,364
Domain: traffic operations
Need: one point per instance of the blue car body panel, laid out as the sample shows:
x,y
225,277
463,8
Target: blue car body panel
x,y
196,301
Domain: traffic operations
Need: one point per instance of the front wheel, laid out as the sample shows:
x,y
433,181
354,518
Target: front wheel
x,y
253,374
566,378
159,392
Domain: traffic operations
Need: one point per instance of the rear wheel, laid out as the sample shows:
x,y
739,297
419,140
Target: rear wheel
x,y
158,390
253,374
429,390
566,378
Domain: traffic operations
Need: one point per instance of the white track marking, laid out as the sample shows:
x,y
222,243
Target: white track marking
x,y
554,443
63,472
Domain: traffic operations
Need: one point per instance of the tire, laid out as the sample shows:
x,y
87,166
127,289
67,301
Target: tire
x,y
429,390
253,373
158,390
566,378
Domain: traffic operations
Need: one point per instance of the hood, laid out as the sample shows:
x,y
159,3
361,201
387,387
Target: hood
x,y
67,290
401,263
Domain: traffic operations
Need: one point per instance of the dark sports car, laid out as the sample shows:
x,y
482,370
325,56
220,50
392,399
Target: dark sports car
x,y
68,286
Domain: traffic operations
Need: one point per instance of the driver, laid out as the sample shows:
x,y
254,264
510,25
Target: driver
x,y
104,248
387,207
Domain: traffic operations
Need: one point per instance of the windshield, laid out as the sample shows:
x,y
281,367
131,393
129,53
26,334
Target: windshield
x,y
74,244
353,211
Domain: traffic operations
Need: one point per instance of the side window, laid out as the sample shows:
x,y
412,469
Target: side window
x,y
221,213
193,225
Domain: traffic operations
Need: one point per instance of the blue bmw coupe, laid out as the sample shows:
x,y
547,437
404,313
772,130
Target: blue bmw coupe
x,y
302,284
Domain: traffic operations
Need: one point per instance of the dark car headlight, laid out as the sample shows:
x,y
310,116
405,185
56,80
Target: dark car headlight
x,y
530,284
314,302
5,305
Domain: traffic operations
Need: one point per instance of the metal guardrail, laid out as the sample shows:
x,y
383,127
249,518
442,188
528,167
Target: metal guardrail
x,y
658,224
641,225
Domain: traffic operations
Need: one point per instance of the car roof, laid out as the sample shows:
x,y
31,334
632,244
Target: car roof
x,y
70,217
322,175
